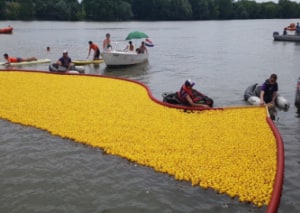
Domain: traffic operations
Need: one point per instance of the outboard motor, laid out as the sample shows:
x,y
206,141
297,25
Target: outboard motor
x,y
275,33
297,98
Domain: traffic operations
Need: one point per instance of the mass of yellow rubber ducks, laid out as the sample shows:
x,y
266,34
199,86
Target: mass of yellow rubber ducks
x,y
232,150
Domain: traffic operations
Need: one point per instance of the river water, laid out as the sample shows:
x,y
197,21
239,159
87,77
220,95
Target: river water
x,y
45,173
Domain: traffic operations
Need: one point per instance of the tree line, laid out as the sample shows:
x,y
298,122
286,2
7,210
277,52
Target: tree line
x,y
145,10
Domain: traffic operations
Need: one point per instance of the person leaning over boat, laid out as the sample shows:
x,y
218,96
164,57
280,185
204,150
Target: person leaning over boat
x,y
17,59
106,42
65,60
185,95
268,93
95,48
129,47
142,49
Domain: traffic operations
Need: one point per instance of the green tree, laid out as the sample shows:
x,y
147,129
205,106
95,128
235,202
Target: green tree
x,y
288,9
107,10
200,9
225,8
2,9
145,10
245,9
57,10
26,12
268,10
12,10
181,9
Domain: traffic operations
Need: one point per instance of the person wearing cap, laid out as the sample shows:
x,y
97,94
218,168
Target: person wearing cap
x,y
17,59
268,92
65,60
187,96
95,48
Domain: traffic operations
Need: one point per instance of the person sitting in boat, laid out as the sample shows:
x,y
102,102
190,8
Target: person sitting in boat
x,y
268,93
95,48
191,97
129,47
65,60
142,49
17,59
285,31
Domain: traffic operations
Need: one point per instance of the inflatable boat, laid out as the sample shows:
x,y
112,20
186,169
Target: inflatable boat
x,y
252,93
6,30
58,68
288,37
172,98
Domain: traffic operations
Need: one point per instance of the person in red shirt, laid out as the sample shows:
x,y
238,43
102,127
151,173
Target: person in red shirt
x,y
191,97
96,50
17,59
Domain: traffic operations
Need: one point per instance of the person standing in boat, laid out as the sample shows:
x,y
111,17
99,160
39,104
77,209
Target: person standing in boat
x,y
187,95
17,59
142,49
268,93
65,60
95,48
106,42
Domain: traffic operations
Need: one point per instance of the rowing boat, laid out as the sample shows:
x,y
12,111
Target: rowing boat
x,y
85,62
39,61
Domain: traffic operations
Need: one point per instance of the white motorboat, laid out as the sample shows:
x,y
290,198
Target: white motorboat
x,y
119,56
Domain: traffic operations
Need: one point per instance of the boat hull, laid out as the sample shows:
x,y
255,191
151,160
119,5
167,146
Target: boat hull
x,y
120,58
294,38
6,30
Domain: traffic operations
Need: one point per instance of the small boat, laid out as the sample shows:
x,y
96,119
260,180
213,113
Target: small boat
x,y
297,98
57,68
252,93
39,61
117,56
6,30
172,98
86,62
287,37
